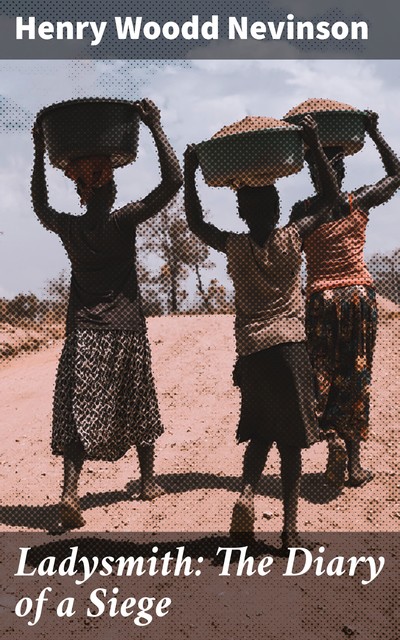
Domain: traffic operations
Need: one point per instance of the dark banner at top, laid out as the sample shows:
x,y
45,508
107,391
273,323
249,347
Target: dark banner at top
x,y
325,29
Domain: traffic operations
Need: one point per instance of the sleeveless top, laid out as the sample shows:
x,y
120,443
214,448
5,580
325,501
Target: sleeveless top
x,y
268,300
335,253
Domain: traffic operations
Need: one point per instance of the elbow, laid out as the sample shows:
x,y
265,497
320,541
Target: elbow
x,y
177,178
37,207
396,180
191,219
174,183
331,199
394,183
178,181
189,213
42,212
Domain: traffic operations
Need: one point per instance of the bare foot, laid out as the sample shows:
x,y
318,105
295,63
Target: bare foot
x,y
243,519
337,463
151,491
360,477
70,514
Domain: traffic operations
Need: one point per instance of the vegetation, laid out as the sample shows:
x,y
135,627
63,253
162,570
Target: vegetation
x,y
173,271
385,269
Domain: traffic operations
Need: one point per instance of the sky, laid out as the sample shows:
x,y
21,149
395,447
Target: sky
x,y
196,98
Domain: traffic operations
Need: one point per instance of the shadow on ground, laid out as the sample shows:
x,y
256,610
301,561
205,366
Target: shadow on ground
x,y
313,489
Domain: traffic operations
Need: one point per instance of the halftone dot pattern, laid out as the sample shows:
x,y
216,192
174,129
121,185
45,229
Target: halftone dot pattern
x,y
106,320
14,117
218,605
84,128
341,327
106,357
253,152
339,124
114,369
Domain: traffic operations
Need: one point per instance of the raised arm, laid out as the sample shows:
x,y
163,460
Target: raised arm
x,y
371,196
171,175
329,195
211,235
50,219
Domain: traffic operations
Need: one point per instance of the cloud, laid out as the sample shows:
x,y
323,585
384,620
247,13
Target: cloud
x,y
12,116
196,99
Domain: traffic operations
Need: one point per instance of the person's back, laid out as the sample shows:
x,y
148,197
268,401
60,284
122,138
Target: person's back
x,y
104,288
273,370
267,282
105,400
341,315
335,253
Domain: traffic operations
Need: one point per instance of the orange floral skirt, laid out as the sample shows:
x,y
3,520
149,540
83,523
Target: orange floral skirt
x,y
341,329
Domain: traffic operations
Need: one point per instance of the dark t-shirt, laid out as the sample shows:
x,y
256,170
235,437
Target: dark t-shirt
x,y
104,291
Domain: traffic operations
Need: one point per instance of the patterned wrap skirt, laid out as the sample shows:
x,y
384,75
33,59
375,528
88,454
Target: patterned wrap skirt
x,y
341,328
105,396
278,396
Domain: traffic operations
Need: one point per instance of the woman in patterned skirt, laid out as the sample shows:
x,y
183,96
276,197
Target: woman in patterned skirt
x,y
341,315
273,369
105,400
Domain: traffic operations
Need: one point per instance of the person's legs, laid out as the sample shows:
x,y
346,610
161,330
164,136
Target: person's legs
x,y
349,399
149,488
254,461
357,475
335,472
71,516
290,474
